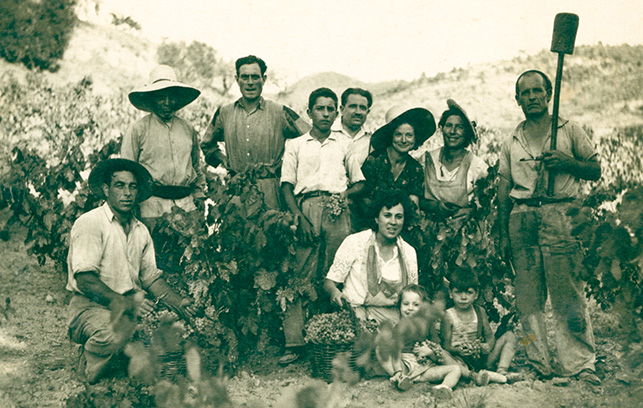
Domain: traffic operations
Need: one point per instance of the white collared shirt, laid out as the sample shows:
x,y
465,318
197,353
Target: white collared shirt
x,y
98,243
310,165
360,145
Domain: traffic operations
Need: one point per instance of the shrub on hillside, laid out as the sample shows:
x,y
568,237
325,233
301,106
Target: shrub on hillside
x,y
36,33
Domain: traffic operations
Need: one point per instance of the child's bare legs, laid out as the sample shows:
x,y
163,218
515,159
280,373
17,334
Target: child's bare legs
x,y
449,374
503,352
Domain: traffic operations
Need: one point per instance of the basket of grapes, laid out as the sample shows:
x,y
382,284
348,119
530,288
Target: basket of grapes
x,y
330,334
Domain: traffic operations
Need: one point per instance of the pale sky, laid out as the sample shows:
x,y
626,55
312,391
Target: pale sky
x,y
379,39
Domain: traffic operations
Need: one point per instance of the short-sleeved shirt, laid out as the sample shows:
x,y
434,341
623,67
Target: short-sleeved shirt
x,y
361,143
349,265
310,165
529,177
251,138
99,244
378,176
170,152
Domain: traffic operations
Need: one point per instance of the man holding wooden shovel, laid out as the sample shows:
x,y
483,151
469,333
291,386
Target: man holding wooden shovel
x,y
541,166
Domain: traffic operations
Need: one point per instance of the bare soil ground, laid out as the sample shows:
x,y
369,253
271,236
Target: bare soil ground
x,y
38,363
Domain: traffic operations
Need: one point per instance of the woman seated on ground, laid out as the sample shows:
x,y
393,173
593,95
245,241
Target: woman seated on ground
x,y
389,166
375,264
451,171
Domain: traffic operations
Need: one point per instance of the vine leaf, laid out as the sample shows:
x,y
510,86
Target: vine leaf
x,y
265,280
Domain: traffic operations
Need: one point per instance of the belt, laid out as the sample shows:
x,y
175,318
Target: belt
x,y
171,192
313,194
540,201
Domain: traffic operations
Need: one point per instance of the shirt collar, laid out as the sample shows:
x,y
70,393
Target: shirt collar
x,y
162,122
331,136
112,217
339,128
520,134
239,104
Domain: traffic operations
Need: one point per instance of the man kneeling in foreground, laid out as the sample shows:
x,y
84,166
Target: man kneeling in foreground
x,y
111,262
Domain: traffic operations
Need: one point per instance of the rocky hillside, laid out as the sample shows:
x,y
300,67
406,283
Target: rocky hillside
x,y
602,87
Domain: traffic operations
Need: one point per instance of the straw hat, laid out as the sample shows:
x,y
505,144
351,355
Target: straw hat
x,y
162,77
420,118
97,176
471,125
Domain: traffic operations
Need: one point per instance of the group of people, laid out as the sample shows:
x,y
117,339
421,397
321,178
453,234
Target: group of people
x,y
358,256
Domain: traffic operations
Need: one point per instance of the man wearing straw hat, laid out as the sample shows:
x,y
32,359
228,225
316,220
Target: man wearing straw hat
x,y
111,264
166,145
535,231
254,131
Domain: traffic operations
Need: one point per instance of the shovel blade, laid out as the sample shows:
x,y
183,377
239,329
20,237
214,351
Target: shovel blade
x,y
565,28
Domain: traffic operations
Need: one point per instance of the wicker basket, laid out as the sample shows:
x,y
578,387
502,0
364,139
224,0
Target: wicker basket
x,y
322,358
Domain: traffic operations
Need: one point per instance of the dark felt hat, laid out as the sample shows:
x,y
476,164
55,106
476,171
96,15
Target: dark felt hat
x,y
144,178
421,120
163,77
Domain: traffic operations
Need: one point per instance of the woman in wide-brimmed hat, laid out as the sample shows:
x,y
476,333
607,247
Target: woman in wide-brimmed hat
x,y
166,145
389,167
451,171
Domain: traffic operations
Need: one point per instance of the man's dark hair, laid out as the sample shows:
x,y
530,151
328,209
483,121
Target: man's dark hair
x,y
251,59
464,279
389,199
468,130
107,176
321,93
357,91
545,78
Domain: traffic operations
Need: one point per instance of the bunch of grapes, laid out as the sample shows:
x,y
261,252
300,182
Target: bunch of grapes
x,y
471,349
435,348
336,205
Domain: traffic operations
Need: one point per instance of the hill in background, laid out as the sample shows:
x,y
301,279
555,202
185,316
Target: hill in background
x,y
602,86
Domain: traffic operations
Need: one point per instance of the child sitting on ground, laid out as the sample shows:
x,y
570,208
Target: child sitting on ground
x,y
467,335
419,358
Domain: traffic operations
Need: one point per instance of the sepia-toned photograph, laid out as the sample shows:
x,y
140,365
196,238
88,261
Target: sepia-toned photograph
x,y
304,204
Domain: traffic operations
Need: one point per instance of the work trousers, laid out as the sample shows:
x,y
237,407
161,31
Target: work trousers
x,y
313,261
547,260
90,326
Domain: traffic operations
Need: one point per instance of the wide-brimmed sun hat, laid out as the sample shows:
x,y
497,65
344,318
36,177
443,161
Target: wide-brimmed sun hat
x,y
421,120
143,177
163,77
468,123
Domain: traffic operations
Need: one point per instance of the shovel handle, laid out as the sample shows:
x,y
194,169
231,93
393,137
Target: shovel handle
x,y
554,121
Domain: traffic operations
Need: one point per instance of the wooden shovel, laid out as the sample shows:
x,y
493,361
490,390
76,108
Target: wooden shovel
x,y
562,42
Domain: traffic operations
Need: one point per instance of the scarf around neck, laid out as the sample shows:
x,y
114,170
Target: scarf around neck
x,y
374,273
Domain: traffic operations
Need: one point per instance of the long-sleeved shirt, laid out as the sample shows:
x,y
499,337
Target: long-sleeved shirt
x,y
251,138
170,152
99,244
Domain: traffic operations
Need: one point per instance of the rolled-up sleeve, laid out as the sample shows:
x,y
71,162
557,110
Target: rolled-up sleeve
x,y
86,247
582,146
504,161
289,164
211,138
149,271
